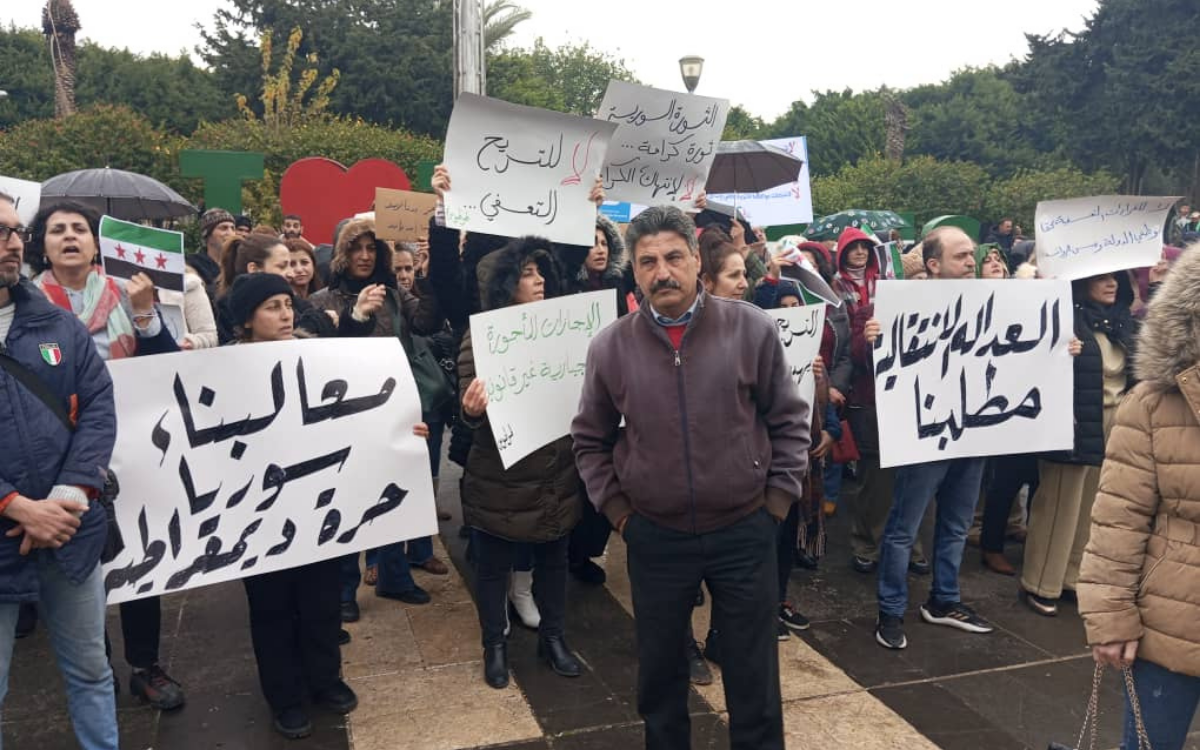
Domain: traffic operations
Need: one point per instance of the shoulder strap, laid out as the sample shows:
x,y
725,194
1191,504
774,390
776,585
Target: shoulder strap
x,y
36,386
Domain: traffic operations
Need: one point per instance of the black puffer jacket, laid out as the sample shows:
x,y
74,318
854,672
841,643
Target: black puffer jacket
x,y
614,274
540,498
1118,323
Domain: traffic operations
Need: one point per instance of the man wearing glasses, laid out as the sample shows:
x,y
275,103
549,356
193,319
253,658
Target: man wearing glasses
x,y
56,406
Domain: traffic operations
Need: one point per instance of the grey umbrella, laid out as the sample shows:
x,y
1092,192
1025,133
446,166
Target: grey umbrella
x,y
751,167
120,194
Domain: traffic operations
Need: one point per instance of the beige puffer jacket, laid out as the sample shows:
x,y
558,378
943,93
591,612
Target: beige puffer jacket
x,y
1140,577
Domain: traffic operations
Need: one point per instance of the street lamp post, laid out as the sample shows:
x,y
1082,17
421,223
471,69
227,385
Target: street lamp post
x,y
690,68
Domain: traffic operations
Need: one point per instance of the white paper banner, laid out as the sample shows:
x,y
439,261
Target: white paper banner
x,y
521,170
1084,237
532,358
800,330
973,368
27,195
259,457
786,204
664,145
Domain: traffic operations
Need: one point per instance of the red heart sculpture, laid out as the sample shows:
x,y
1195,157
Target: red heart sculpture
x,y
322,192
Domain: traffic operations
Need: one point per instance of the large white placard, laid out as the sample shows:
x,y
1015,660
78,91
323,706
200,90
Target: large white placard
x,y
532,358
973,368
664,145
786,204
800,330
27,195
521,170
259,457
1084,237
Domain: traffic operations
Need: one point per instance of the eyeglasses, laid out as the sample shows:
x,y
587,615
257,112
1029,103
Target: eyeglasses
x,y
25,234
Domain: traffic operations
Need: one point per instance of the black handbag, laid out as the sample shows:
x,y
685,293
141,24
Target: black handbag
x,y
433,383
113,543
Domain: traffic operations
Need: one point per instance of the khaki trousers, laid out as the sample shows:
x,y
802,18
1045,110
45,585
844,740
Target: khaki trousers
x,y
1060,520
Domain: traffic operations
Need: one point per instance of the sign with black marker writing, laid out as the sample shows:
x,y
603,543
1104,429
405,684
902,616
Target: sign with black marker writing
x,y
259,457
402,215
800,330
532,358
27,195
521,170
972,368
1083,237
664,145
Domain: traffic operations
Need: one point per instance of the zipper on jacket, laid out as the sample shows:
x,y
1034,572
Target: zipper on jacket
x,y
678,363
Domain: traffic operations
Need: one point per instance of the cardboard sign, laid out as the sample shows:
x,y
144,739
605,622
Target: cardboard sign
x,y
402,215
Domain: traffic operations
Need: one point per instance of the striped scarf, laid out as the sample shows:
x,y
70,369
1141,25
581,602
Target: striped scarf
x,y
101,309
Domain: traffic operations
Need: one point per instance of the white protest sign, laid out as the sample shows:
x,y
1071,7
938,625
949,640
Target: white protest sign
x,y
800,330
664,145
972,368
532,358
521,170
786,204
253,458
1084,237
27,195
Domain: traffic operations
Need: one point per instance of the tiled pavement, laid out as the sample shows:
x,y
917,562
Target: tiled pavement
x,y
418,675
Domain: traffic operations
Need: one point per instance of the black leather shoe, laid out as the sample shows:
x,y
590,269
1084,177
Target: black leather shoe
x,y
554,650
293,723
589,572
919,567
415,595
863,565
338,698
495,666
343,637
350,612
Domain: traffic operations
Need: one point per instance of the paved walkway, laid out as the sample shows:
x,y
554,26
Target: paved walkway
x,y
418,674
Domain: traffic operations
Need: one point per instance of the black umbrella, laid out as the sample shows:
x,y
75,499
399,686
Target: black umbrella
x,y
751,167
120,194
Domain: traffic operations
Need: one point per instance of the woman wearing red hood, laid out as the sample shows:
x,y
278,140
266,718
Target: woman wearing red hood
x,y
858,268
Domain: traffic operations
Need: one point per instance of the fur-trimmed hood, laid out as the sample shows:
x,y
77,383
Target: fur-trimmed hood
x,y
614,272
1169,342
350,232
502,272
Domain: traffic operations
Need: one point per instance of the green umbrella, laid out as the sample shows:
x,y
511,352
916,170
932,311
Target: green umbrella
x,y
829,227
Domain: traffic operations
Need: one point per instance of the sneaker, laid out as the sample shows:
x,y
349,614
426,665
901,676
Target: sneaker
x,y
789,617
889,632
154,686
919,567
782,631
698,671
863,565
956,615
293,723
1040,604
338,698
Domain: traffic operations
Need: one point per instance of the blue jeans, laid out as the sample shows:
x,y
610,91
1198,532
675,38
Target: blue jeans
x,y
955,484
833,481
1168,701
74,617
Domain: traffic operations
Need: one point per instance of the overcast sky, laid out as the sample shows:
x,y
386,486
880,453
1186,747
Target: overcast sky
x,y
762,54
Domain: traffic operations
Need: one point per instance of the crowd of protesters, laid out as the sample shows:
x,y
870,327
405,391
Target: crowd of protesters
x,y
1112,523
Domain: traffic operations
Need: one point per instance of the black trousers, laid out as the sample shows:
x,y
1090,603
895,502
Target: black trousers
x,y
738,565
1007,474
493,561
294,624
590,536
141,627
785,551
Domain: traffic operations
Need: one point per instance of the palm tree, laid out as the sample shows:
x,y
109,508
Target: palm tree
x,y
59,24
500,18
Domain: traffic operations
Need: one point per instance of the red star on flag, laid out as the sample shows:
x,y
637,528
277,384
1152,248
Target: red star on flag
x,y
120,252
161,261
140,257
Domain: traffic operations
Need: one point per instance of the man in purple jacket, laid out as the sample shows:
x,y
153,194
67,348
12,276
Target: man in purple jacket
x,y
712,455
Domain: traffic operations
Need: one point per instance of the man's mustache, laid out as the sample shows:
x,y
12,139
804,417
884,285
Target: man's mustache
x,y
664,284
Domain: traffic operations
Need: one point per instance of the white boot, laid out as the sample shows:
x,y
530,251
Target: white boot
x,y
520,593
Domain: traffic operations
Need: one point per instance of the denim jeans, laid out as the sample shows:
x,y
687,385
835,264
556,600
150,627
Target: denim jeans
x,y
1168,700
832,482
955,485
395,573
74,618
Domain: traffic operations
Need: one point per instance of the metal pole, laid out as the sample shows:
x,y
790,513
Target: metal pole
x,y
469,67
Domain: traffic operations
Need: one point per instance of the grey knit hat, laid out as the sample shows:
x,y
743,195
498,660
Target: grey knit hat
x,y
211,218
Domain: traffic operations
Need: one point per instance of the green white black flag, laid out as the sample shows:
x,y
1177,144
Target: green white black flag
x,y
127,249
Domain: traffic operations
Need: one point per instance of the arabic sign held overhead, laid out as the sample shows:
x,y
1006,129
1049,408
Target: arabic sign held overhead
x,y
972,368
800,330
786,204
521,170
664,145
402,215
1084,237
248,459
532,357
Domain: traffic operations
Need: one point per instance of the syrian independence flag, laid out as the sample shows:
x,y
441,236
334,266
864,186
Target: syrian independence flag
x,y
127,249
